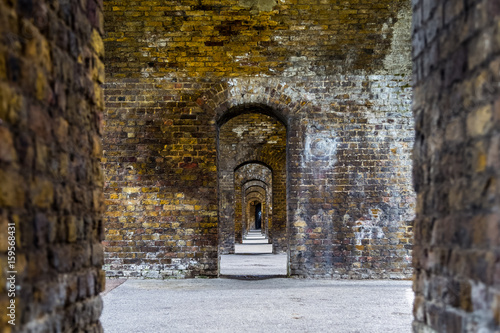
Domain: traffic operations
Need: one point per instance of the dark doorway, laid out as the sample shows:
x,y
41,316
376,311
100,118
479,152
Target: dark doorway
x,y
258,216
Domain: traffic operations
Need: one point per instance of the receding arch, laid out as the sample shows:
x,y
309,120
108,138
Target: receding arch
x,y
252,191
264,187
250,108
251,135
254,180
265,207
262,177
253,162
254,194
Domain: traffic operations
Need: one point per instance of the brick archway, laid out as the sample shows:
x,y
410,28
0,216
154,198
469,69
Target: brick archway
x,y
251,174
269,150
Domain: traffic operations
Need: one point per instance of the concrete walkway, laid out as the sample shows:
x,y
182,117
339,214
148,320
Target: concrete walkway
x,y
274,305
254,258
256,305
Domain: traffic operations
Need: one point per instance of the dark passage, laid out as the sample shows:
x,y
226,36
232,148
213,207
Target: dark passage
x,y
258,216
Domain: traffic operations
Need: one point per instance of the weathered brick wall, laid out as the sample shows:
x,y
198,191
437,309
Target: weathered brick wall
x,y
233,38
349,188
246,138
456,165
161,181
341,89
351,202
51,107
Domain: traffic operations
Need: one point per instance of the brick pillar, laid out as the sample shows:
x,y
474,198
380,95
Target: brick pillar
x,y
456,47
51,106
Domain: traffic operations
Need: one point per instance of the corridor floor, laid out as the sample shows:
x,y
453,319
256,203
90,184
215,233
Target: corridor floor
x,y
253,258
238,303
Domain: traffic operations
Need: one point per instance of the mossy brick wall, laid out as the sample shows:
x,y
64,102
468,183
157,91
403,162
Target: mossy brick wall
x,y
245,138
457,165
336,75
51,106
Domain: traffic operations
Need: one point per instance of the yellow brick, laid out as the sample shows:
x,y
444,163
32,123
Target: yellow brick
x,y
97,43
71,227
42,192
3,67
7,149
131,189
479,121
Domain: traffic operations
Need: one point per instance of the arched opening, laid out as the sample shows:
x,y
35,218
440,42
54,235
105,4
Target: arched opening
x,y
265,201
251,154
258,216
258,178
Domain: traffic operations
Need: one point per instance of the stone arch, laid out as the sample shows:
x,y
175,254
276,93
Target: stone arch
x,y
264,183
252,194
242,180
270,152
237,95
249,108
286,104
263,187
266,206
264,164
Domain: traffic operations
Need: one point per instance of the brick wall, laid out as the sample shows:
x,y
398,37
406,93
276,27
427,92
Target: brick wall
x,y
233,38
456,165
51,107
176,75
161,181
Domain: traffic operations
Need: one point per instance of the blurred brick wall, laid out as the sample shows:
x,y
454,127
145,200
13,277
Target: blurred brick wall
x,y
51,106
456,47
